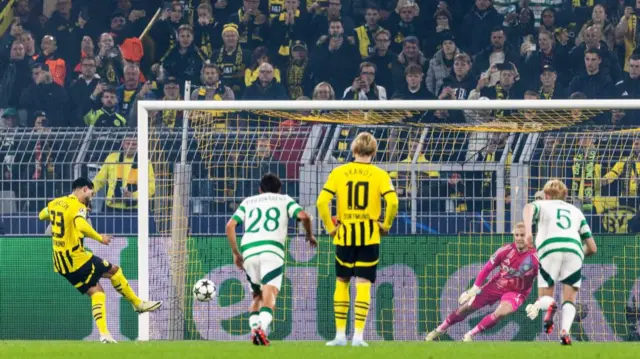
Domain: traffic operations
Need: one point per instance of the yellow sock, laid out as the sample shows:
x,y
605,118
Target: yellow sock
x,y
99,311
363,298
341,307
121,284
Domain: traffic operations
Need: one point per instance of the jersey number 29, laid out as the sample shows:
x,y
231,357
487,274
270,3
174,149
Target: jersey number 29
x,y
269,223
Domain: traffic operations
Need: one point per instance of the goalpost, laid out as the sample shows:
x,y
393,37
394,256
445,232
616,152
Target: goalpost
x,y
467,182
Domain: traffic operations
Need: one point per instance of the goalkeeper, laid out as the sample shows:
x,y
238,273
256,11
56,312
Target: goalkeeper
x,y
518,264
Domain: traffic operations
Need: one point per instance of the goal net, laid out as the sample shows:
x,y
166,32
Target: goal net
x,y
461,188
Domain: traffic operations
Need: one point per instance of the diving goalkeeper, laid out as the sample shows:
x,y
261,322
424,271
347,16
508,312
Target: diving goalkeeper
x,y
518,264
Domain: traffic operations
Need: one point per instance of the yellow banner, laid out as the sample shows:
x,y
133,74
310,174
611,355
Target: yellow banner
x,y
6,17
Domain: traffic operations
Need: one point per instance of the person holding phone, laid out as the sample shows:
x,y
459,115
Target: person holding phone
x,y
253,26
335,57
364,86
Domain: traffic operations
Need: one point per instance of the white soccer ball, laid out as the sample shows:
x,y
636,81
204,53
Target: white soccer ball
x,y
204,290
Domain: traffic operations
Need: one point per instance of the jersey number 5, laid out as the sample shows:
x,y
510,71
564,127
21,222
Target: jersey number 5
x,y
563,216
358,196
57,224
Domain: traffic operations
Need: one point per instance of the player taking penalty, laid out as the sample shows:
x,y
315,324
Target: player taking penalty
x,y
262,248
68,216
510,286
563,240
359,188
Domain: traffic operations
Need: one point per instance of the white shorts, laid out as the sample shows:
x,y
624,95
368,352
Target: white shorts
x,y
264,268
561,267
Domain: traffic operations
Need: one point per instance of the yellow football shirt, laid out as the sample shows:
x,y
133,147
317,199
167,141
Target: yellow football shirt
x,y
359,189
69,227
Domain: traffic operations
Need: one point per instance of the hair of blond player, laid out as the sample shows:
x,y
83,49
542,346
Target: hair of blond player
x,y
517,226
555,189
364,145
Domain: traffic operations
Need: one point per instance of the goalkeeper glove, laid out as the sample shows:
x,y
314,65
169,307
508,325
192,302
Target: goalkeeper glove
x,y
469,295
532,311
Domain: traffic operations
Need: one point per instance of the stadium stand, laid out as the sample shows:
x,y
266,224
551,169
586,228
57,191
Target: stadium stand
x,y
74,69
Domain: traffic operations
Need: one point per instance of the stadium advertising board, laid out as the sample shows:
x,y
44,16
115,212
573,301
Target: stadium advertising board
x,y
419,280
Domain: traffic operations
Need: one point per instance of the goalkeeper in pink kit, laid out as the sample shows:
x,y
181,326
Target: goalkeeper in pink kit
x,y
518,264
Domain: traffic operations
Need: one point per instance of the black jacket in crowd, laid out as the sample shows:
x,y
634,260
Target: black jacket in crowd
x,y
15,77
610,64
252,35
185,67
338,67
282,35
80,100
481,61
274,91
406,94
474,34
628,88
384,65
536,61
50,98
598,86
462,87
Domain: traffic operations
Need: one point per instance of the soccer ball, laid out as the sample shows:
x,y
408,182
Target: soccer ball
x,y
204,290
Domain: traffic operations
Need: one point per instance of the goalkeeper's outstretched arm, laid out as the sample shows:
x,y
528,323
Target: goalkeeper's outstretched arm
x,y
470,294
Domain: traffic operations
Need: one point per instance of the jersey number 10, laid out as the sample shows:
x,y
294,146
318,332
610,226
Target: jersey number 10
x,y
358,196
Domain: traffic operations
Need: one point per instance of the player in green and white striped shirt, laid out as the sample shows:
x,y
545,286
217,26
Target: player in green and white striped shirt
x,y
262,249
563,240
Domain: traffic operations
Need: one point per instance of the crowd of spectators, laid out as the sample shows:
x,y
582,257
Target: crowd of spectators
x,y
88,62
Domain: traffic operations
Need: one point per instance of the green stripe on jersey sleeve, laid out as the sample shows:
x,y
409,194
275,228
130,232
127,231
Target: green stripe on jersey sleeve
x,y
237,219
292,209
536,213
584,228
239,214
585,236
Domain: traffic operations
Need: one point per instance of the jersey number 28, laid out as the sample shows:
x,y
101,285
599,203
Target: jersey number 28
x,y
269,223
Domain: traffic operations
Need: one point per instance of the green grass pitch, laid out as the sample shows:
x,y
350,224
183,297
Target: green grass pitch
x,y
313,350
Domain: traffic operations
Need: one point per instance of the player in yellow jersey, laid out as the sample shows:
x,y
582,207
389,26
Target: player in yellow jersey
x,y
68,216
359,188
